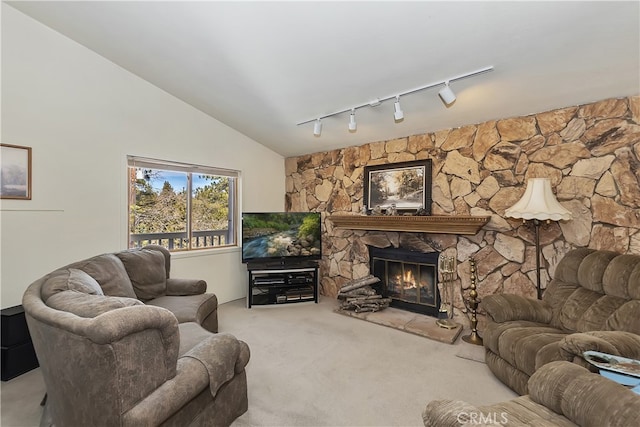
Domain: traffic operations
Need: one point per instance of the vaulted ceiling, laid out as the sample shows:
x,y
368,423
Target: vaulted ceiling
x,y
262,67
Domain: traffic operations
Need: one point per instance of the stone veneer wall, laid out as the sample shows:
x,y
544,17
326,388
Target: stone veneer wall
x,y
591,153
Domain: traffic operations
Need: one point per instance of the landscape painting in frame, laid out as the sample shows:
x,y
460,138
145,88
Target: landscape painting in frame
x,y
407,185
15,172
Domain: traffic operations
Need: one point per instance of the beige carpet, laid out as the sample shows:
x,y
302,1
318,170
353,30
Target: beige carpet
x,y
471,352
312,367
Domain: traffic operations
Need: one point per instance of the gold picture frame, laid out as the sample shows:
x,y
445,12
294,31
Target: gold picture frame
x,y
15,172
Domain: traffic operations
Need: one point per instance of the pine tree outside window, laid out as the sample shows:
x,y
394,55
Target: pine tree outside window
x,y
181,206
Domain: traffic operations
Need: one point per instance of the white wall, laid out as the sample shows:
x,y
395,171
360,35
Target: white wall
x,y
82,115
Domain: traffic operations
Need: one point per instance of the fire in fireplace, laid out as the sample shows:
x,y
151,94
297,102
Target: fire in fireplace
x,y
409,278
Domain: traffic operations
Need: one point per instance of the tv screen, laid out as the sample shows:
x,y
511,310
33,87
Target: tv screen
x,y
281,236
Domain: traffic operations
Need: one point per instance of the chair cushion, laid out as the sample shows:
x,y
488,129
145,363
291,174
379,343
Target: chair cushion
x,y
147,272
110,273
191,334
88,305
188,308
69,279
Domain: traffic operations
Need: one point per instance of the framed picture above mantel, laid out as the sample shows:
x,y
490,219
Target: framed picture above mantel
x,y
405,186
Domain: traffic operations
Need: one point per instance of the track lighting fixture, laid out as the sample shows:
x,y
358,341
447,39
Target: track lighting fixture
x,y
446,94
398,114
317,128
353,126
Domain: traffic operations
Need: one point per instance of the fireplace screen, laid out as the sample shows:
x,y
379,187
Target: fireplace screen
x,y
408,278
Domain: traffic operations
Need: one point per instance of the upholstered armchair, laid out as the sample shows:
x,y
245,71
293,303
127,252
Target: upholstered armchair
x,y
114,361
560,394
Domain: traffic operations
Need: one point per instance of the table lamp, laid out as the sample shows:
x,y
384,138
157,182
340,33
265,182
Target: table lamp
x,y
538,204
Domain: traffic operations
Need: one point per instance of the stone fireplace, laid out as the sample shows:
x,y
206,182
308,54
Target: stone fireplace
x,y
409,278
590,151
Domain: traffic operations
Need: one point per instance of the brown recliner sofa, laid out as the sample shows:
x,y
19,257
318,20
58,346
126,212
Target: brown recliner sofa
x,y
560,394
592,303
108,358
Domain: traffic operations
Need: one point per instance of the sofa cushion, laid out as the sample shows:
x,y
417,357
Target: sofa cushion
x,y
88,305
622,277
625,318
576,306
146,271
167,256
520,346
188,308
493,332
109,272
191,334
70,279
592,269
567,268
595,317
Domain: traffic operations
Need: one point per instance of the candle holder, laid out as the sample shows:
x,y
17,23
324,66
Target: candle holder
x,y
447,270
472,307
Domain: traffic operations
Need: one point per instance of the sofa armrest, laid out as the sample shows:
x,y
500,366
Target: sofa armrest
x,y
585,398
453,413
223,356
180,287
212,363
190,380
507,307
116,324
618,343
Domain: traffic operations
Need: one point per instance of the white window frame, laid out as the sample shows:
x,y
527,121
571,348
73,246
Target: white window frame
x,y
172,166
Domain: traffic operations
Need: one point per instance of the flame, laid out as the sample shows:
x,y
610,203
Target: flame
x,y
409,281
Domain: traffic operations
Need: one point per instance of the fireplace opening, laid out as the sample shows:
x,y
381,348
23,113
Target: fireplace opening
x,y
409,278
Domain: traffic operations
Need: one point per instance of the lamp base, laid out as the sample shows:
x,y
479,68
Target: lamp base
x,y
473,338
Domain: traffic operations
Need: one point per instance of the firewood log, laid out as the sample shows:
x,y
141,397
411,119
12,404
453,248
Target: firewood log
x,y
359,283
367,290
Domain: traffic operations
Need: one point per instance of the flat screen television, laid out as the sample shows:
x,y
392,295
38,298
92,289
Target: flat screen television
x,y
281,237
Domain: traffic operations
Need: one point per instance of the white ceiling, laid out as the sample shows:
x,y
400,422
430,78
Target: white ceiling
x,y
261,67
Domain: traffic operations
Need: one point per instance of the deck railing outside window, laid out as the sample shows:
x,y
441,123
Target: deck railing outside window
x,y
178,240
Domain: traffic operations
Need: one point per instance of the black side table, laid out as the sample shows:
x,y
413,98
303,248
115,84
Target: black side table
x,y
17,353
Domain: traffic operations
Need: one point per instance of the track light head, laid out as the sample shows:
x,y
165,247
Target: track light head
x,y
353,126
317,128
446,95
398,114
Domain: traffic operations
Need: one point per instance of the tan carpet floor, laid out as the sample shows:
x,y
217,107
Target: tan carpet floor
x,y
312,367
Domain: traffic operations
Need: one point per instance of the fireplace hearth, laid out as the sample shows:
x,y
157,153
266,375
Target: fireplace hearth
x,y
409,278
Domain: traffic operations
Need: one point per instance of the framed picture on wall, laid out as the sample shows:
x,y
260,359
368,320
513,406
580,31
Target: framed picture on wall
x,y
15,172
407,185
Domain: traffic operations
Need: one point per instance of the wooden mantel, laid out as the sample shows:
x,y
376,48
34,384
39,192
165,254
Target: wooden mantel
x,y
437,224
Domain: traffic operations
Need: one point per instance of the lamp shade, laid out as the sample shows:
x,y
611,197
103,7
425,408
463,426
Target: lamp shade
x,y
538,202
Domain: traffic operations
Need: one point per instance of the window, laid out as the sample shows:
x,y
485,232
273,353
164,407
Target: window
x,y
181,206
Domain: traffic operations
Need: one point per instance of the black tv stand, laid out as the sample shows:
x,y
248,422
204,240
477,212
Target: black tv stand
x,y
282,283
